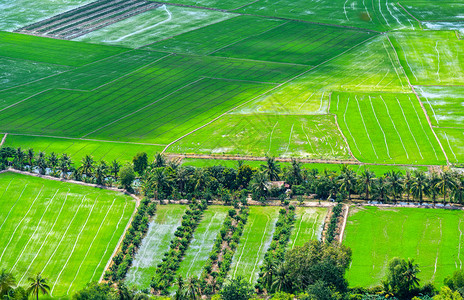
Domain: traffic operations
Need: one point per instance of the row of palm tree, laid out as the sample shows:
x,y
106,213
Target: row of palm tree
x,y
10,290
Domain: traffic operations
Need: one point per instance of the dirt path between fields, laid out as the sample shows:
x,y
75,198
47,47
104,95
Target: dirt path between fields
x,y
3,139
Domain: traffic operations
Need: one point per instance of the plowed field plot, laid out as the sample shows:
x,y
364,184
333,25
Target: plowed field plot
x,y
254,243
273,135
16,14
452,140
433,237
68,232
386,128
443,104
431,57
308,225
154,25
154,245
297,43
203,241
377,14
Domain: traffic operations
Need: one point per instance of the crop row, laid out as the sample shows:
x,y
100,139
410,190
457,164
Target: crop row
x,y
332,227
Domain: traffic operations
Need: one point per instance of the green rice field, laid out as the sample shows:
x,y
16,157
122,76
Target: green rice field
x,y
432,237
308,225
65,231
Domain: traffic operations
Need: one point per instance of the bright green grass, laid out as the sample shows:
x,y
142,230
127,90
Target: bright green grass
x,y
273,135
154,25
232,4
443,104
430,236
154,245
200,163
452,140
54,51
435,11
308,225
386,128
203,241
431,57
296,42
68,232
256,238
373,15
210,38
78,149
18,71
16,14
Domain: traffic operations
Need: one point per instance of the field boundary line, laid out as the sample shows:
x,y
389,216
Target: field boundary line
x,y
3,139
342,231
418,21
421,104
261,95
144,107
260,246
340,130
245,5
240,80
9,212
243,248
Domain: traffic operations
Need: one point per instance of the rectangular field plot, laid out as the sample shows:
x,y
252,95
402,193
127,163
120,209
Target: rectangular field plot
x,y
154,245
373,15
78,149
210,38
431,57
435,11
443,105
273,135
308,225
53,51
432,237
385,128
296,42
65,231
16,14
154,25
452,140
254,242
203,241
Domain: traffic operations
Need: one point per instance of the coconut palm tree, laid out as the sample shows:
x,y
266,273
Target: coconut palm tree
x,y
271,169
347,180
258,184
87,166
419,185
395,184
192,290
366,181
445,183
180,293
281,281
458,190
30,156
53,161
114,169
41,163
410,274
294,175
7,283
19,158
434,190
160,161
64,165
38,284
100,173
268,269
407,183
381,189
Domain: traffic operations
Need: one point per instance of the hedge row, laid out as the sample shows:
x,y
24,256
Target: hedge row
x,y
166,270
218,264
331,230
132,240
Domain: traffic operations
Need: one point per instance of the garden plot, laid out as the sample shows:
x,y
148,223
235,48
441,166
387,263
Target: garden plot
x,y
203,241
16,14
77,149
268,135
433,238
154,245
452,140
376,14
386,128
256,238
211,38
431,57
443,104
154,25
297,43
66,232
19,71
308,226
435,11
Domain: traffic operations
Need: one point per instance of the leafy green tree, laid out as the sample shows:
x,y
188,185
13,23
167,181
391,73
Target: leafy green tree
x,y
258,184
7,283
38,284
140,162
456,281
127,177
95,291
271,169
244,175
160,161
447,294
402,277
237,289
